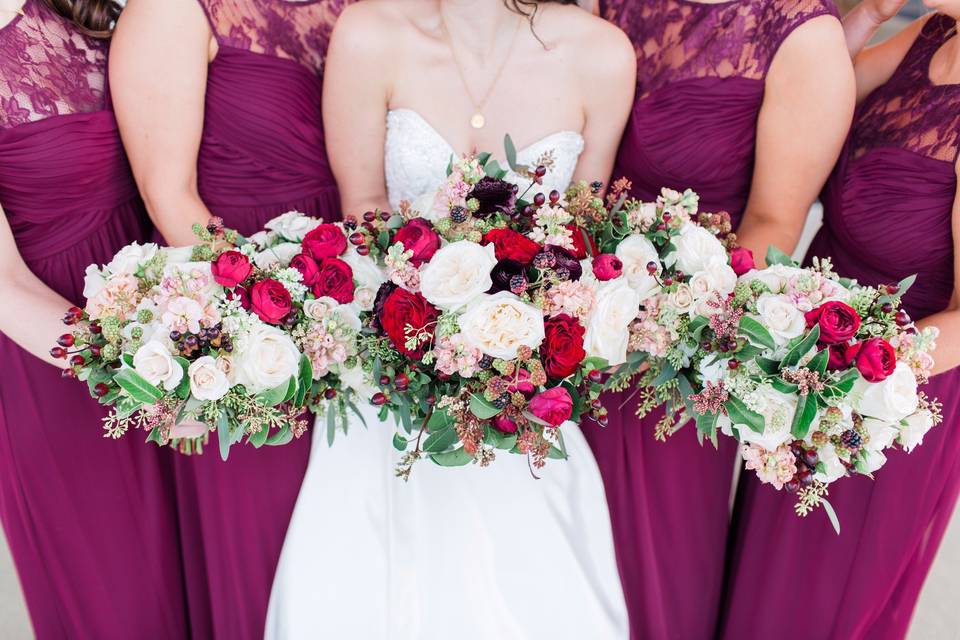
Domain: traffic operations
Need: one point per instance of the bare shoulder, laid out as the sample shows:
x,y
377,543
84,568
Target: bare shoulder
x,y
598,48
375,25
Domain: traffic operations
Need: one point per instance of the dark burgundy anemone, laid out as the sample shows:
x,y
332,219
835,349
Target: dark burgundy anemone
x,y
504,272
382,293
493,195
565,262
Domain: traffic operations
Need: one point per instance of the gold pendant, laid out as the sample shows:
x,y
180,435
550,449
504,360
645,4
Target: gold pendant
x,y
477,121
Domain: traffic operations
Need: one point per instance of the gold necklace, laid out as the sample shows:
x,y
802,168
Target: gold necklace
x,y
477,120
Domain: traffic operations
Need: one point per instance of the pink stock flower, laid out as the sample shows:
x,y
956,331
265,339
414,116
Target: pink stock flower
x,y
776,468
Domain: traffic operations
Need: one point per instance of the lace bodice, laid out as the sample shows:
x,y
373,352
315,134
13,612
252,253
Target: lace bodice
x,y
297,30
48,68
909,111
679,40
416,158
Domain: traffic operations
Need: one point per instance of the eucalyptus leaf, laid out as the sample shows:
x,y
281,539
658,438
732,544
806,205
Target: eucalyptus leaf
x,y
273,397
480,407
281,437
776,256
259,438
455,458
399,442
331,425
511,152
441,440
223,436
828,509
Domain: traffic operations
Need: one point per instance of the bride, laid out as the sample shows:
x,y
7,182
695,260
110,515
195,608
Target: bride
x,y
468,552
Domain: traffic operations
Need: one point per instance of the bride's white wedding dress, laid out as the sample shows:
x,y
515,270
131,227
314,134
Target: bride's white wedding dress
x,y
467,553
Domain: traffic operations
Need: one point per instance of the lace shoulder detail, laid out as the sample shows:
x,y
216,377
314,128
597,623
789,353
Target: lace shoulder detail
x,y
909,111
48,68
297,30
679,40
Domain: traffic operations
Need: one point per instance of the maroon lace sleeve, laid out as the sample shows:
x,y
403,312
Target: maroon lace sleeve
x,y
48,68
909,111
294,30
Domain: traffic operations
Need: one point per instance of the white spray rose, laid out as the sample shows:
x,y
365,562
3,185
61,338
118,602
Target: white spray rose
x,y
93,281
500,324
916,427
207,379
130,257
777,410
636,252
890,400
265,358
781,318
292,225
881,434
368,277
359,382
155,364
280,254
716,278
607,335
775,277
833,468
695,246
457,273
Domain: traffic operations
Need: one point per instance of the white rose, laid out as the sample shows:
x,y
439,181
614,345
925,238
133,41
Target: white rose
x,y
457,273
500,324
93,281
695,246
292,225
881,434
319,308
775,277
178,255
265,358
156,365
716,278
358,381
872,460
681,298
349,316
636,252
132,256
425,206
891,400
260,238
713,372
616,306
280,254
916,427
777,410
207,380
781,318
368,277
833,468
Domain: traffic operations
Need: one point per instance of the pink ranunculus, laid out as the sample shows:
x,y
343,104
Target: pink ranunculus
x,y
741,260
553,406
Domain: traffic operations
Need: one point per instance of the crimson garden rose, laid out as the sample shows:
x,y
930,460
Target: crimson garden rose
x,y
231,268
401,309
510,245
562,347
553,406
607,266
270,300
419,237
838,321
326,241
334,279
580,249
876,359
307,267
741,260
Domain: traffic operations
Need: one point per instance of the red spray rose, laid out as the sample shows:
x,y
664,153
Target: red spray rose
x,y
503,424
334,279
231,268
510,245
326,241
553,406
841,356
402,309
838,322
579,244
307,267
741,260
270,300
876,359
419,237
607,266
562,347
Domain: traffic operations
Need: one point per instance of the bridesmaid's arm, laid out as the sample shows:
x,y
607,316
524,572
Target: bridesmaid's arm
x,y
874,65
36,324
355,96
865,19
805,117
158,76
947,355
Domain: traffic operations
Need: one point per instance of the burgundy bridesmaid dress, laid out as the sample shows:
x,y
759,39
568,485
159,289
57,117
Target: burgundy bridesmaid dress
x,y
91,522
887,214
700,86
262,154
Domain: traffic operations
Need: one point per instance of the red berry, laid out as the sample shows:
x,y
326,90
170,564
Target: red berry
x,y
101,390
95,328
430,400
66,340
887,307
733,364
384,380
95,350
363,250
554,197
68,373
604,420
792,486
595,375
539,199
385,215
330,394
893,289
540,171
77,312
661,227
58,352
357,238
379,399
369,216
666,216
69,319
77,360
903,318
810,458
401,382
651,267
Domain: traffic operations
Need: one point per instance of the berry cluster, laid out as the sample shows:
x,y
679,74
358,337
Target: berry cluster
x,y
191,345
806,461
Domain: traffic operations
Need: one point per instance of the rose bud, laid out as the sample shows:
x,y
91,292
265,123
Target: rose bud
x,y
838,321
401,309
741,260
503,273
562,347
503,424
419,237
270,300
493,195
607,267
231,268
326,241
553,406
876,359
307,267
580,244
510,245
334,279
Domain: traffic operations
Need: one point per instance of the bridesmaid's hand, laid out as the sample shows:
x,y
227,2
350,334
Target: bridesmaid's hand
x,y
879,11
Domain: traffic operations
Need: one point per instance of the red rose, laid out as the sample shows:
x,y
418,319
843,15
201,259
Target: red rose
x,y
334,279
326,241
841,356
579,244
418,236
553,406
875,358
243,295
271,301
307,267
503,424
562,347
838,322
741,260
607,267
510,245
402,309
231,268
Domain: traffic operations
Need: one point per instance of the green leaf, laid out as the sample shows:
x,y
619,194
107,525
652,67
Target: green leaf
x,y
110,398
783,386
183,389
281,437
556,454
404,411
482,159
511,152
154,435
259,438
904,286
803,417
127,406
819,362
493,169
843,386
291,389
696,327
507,442
455,458
441,440
666,374
741,415
440,419
768,366
707,423
331,425
138,388
803,347
481,408
304,381
756,333
834,520
273,397
775,256
223,436
399,442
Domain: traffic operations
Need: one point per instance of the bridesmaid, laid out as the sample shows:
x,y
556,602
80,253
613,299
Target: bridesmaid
x,y
91,522
747,102
890,210
219,107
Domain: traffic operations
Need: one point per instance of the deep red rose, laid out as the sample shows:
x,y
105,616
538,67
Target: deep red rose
x,y
838,322
402,309
270,300
334,279
493,195
243,295
841,356
503,424
607,266
231,268
562,347
326,241
741,260
579,244
307,267
876,359
510,245
553,406
418,236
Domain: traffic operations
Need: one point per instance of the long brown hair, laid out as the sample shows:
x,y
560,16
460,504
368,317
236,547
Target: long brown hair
x,y
529,8
94,17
